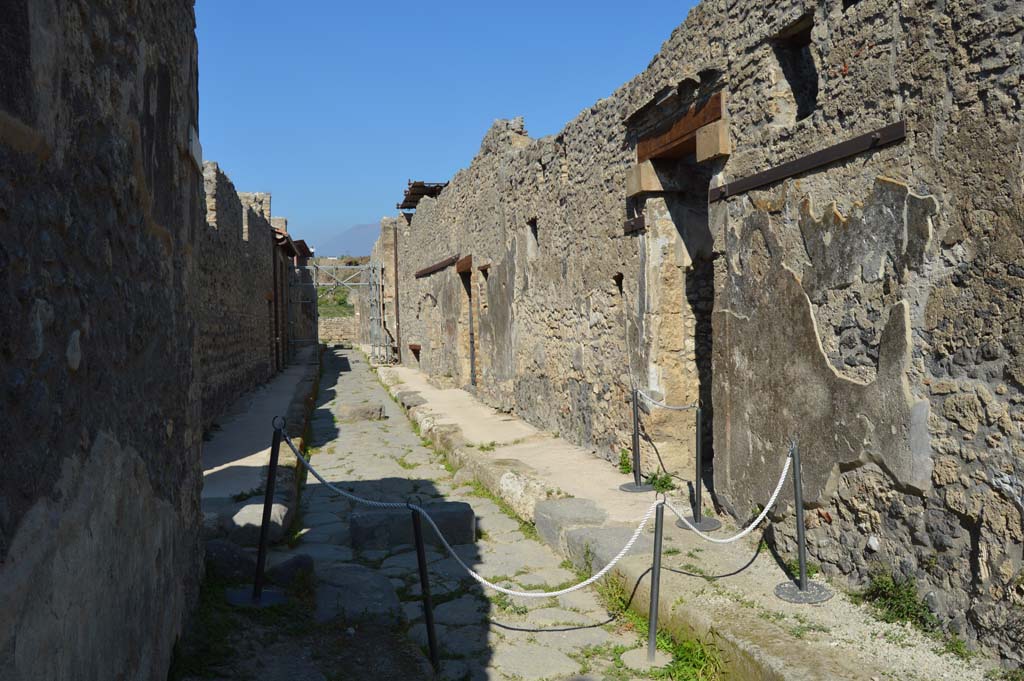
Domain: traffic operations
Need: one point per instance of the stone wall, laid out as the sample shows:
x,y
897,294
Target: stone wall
x,y
334,330
234,287
383,257
101,204
868,308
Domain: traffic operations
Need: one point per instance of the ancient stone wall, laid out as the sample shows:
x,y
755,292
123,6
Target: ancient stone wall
x,y
101,204
335,330
383,257
234,284
867,308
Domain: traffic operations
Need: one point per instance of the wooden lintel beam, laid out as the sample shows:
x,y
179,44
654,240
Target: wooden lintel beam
x,y
681,139
436,267
464,264
876,139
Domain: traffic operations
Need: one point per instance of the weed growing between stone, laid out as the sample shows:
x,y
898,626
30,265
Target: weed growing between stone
x,y
487,447
662,482
793,565
895,600
505,604
625,462
692,659
528,529
404,463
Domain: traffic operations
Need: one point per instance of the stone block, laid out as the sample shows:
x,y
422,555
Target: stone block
x,y
228,561
287,573
385,528
642,178
361,412
357,594
713,140
601,544
554,517
243,525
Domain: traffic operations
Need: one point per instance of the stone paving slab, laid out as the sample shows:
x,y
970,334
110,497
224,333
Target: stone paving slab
x,y
482,635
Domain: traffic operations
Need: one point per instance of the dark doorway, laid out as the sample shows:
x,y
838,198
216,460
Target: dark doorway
x,y
467,334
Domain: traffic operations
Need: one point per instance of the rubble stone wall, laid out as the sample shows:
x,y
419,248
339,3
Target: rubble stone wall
x,y
868,309
101,205
234,285
382,255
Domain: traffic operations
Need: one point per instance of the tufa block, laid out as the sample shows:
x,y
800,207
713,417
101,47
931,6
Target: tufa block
x,y
642,178
713,141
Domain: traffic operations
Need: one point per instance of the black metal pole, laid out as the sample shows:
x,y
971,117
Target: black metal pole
x,y
268,500
428,608
698,501
652,613
636,439
798,500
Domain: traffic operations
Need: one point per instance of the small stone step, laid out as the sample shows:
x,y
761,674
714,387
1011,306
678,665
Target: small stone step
x,y
387,529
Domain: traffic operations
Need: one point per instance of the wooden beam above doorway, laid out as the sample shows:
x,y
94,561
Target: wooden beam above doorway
x,y
436,267
680,139
464,264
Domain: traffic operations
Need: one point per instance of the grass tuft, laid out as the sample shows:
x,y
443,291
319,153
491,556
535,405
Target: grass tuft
x,y
662,482
896,600
625,462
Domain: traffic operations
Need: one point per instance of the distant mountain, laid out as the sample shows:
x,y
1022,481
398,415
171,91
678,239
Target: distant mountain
x,y
356,240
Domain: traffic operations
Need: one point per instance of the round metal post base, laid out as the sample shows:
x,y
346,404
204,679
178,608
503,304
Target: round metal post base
x,y
241,597
636,659
706,524
633,487
790,592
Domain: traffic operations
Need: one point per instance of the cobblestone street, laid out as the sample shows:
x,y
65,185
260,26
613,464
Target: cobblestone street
x,y
481,634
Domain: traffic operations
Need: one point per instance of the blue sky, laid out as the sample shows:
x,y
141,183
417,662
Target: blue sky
x,y
332,106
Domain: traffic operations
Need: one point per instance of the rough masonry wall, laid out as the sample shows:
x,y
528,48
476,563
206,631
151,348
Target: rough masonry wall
x,y
869,309
382,255
233,284
101,202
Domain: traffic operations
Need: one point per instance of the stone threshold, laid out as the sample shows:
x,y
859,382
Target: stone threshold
x,y
723,594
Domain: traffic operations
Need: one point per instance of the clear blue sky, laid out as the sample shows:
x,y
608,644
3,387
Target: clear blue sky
x,y
331,106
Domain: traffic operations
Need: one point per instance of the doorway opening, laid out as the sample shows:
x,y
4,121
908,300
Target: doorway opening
x,y
678,254
467,334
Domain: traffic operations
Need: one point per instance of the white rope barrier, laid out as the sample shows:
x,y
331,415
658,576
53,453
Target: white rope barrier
x,y
750,528
426,516
663,405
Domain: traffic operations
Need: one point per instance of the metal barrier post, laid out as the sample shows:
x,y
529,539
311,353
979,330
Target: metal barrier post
x,y
259,596
652,613
428,608
803,591
638,484
697,519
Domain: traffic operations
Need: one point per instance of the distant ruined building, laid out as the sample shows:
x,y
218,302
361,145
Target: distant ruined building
x,y
808,217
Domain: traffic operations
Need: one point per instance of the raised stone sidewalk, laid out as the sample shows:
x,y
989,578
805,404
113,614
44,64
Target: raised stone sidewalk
x,y
237,453
720,591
